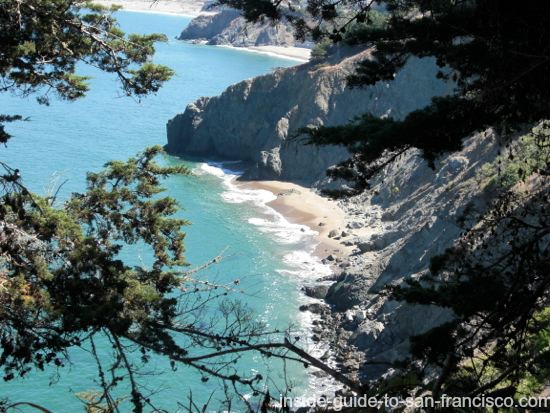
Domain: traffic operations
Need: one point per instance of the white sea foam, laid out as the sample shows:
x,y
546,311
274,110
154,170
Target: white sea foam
x,y
307,265
205,168
270,221
300,263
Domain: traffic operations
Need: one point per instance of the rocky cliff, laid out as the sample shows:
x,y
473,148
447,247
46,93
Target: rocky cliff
x,y
255,120
228,27
411,213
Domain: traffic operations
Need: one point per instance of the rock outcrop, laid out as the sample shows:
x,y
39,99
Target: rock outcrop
x,y
228,27
255,120
411,214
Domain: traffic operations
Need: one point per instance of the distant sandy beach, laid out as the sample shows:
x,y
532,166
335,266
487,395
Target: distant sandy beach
x,y
301,205
188,8
300,54
193,8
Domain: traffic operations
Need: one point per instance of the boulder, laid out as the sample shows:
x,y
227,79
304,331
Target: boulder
x,y
316,291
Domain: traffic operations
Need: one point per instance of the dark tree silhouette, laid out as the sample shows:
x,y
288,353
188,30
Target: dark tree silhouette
x,y
62,282
496,278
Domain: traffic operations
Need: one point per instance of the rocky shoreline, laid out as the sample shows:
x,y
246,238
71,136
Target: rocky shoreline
x,y
385,236
411,213
254,120
226,27
388,234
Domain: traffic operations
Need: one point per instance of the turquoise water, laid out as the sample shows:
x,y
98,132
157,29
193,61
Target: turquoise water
x,y
63,141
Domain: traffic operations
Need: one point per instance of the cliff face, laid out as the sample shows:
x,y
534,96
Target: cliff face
x,y
254,120
411,214
228,27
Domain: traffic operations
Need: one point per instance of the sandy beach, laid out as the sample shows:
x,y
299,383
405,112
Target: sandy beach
x,y
295,53
193,8
301,205
189,8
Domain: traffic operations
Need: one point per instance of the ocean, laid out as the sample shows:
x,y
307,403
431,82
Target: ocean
x,y
268,255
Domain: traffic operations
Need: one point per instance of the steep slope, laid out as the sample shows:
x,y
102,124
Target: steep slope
x,y
255,120
228,27
411,214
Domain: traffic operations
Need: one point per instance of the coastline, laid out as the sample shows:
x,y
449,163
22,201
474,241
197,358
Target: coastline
x,y
185,8
299,54
191,8
303,206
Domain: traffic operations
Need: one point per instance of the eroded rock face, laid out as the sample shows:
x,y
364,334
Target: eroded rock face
x,y
228,27
411,214
255,120
209,26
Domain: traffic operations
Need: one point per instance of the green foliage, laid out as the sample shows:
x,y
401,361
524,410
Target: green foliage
x,y
537,375
320,50
61,275
42,41
496,278
495,281
360,29
4,135
63,282
524,157
494,52
492,370
374,142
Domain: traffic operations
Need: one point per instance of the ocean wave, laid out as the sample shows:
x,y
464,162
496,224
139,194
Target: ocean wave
x,y
270,222
299,262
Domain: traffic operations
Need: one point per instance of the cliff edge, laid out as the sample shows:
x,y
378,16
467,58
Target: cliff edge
x,y
227,26
255,120
411,213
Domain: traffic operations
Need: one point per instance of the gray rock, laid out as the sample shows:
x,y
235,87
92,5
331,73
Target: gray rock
x,y
364,246
412,209
351,290
252,120
315,308
333,233
228,27
316,291
367,333
207,27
